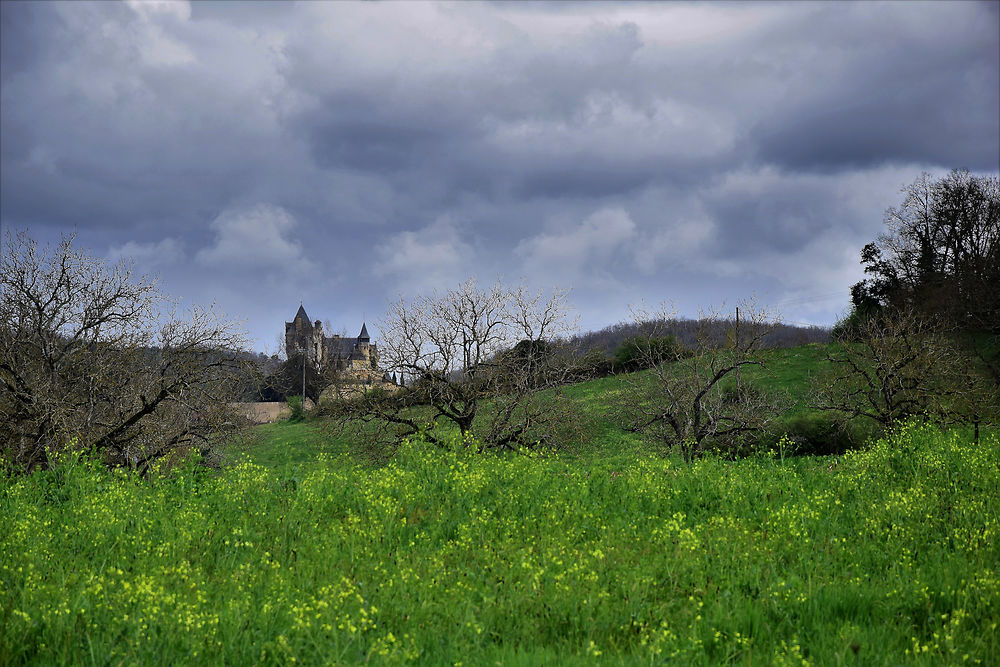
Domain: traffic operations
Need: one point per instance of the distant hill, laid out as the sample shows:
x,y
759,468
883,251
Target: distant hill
x,y
609,338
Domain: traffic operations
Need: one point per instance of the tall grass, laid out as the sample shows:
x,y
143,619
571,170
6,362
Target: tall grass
x,y
882,556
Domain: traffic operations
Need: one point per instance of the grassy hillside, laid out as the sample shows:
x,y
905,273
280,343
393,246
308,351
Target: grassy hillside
x,y
788,372
884,556
287,443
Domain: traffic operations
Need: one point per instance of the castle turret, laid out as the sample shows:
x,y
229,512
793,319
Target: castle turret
x,y
363,336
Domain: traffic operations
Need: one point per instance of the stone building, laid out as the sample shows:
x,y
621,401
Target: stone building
x,y
354,359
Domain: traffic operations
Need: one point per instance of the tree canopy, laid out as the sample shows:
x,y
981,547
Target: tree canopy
x,y
940,253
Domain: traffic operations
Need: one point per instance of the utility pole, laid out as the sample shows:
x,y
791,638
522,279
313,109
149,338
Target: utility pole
x,y
739,366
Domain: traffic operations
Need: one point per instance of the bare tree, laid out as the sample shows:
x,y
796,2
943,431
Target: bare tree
x,y
473,358
279,346
524,382
95,358
692,398
901,363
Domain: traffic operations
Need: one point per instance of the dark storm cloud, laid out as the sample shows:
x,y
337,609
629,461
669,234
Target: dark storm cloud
x,y
260,153
374,132
118,124
467,123
765,211
25,28
586,178
917,87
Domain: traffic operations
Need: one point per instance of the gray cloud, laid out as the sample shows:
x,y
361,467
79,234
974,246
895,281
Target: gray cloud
x,y
152,255
630,150
584,251
254,238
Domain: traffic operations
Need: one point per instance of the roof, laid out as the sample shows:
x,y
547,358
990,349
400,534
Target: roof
x,y
364,332
342,348
301,313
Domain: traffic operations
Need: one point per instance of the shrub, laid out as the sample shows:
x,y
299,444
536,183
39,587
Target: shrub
x,y
295,405
816,434
593,364
640,352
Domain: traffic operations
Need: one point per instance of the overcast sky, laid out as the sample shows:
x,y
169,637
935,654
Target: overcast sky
x,y
258,154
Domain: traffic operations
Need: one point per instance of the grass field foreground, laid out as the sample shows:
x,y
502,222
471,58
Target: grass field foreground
x,y
882,556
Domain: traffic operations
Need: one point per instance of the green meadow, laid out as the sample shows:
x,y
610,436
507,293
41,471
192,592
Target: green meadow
x,y
298,552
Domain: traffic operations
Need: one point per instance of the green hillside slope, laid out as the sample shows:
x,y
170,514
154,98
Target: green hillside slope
x,y
788,371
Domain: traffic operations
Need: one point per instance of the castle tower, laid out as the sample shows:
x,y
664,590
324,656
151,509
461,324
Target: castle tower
x,y
301,334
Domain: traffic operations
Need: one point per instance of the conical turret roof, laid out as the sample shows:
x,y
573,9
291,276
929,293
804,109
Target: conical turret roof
x,y
301,313
364,333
